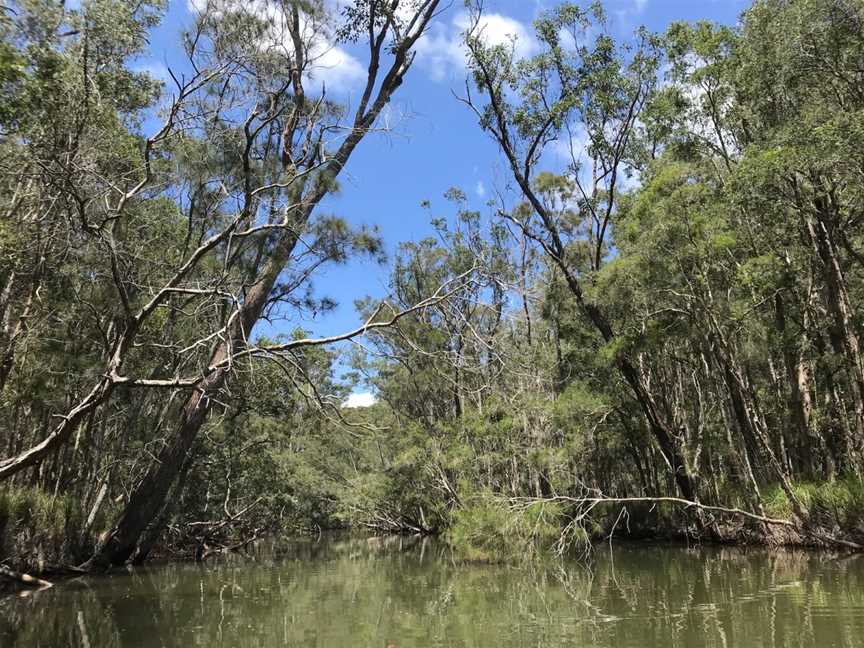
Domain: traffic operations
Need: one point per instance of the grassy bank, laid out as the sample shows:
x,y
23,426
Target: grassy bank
x,y
40,532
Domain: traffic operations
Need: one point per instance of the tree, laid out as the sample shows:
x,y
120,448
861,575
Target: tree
x,y
573,87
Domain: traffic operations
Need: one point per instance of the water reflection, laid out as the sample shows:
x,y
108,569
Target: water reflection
x,y
408,593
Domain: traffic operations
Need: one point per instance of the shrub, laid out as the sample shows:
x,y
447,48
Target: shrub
x,y
39,530
488,530
831,504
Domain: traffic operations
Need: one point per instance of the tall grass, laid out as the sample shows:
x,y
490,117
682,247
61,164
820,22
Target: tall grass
x,y
39,531
838,504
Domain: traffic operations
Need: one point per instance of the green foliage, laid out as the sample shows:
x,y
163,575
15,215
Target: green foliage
x,y
486,529
830,505
41,530
689,282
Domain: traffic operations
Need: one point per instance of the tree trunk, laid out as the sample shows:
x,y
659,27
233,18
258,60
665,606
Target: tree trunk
x,y
661,431
148,498
839,305
744,405
800,401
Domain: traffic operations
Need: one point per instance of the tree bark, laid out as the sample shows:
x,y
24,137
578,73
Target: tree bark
x,y
800,400
839,305
149,497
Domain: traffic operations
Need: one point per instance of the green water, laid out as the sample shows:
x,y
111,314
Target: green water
x,y
358,593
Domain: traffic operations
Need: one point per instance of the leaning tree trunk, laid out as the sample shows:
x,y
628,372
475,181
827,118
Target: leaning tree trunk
x,y
148,499
660,430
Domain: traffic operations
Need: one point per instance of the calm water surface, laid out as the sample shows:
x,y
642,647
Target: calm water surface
x,y
358,593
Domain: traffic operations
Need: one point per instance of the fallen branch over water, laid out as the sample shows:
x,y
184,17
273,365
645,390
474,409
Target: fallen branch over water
x,y
204,551
588,503
24,579
593,501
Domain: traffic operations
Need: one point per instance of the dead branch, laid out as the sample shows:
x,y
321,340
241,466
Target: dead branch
x,y
24,579
586,504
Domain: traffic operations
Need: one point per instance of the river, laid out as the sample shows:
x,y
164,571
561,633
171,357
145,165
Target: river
x,y
358,593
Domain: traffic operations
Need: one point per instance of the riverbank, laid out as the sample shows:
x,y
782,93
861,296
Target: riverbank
x,y
43,536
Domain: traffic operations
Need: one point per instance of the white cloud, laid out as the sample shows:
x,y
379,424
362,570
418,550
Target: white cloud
x,y
480,189
335,68
628,15
362,399
155,69
328,64
442,50
496,29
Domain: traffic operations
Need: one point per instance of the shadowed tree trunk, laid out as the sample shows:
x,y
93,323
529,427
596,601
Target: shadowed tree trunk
x,y
837,296
148,499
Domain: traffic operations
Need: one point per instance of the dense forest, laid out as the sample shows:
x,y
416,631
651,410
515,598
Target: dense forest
x,y
660,336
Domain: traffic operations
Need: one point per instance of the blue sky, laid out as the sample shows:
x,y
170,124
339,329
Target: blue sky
x,y
435,143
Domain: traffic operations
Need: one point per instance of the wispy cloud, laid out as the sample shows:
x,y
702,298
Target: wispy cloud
x,y
328,64
442,50
630,14
155,69
335,68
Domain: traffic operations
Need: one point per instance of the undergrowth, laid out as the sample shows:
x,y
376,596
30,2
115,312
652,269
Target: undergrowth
x,y
487,529
39,530
837,504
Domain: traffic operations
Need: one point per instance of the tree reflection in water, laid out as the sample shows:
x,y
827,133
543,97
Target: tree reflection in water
x,y
409,593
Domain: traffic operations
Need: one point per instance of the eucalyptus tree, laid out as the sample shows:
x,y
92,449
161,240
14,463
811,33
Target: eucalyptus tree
x,y
582,89
71,101
803,162
311,161
767,109
715,299
229,179
449,353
